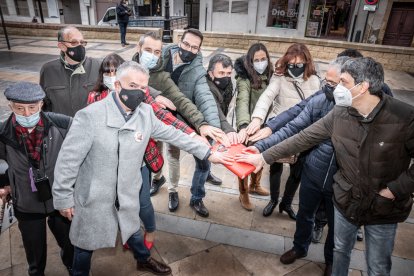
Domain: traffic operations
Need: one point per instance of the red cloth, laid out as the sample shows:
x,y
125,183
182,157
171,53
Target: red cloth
x,y
33,140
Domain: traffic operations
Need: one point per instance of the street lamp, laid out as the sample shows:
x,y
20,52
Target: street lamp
x,y
166,34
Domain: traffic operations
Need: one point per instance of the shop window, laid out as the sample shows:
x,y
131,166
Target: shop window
x,y
283,14
22,7
44,8
239,7
3,6
221,6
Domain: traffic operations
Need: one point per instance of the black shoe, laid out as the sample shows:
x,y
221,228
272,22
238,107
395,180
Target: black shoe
x,y
199,207
288,209
328,270
317,234
156,185
268,210
126,43
154,266
173,201
360,235
291,256
213,179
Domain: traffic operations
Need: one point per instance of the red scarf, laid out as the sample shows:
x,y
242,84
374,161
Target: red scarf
x,y
33,140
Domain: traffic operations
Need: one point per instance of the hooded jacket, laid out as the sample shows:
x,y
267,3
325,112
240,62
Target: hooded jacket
x,y
161,80
193,83
247,96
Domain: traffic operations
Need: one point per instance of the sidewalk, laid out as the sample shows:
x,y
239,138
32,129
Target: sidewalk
x,y
231,241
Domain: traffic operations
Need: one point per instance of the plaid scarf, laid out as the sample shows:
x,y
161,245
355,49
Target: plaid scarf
x,y
33,140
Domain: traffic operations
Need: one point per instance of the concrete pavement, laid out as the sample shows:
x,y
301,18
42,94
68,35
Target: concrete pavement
x,y
231,241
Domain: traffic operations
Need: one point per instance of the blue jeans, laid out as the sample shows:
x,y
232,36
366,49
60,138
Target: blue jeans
x,y
379,244
146,212
122,29
201,172
310,197
82,258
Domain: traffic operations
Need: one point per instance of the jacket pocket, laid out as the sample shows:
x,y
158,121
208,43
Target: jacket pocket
x,y
342,191
382,206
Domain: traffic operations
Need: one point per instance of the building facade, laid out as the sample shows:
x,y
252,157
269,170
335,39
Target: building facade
x,y
389,22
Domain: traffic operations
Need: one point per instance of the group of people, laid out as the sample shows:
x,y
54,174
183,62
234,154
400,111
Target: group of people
x,y
349,144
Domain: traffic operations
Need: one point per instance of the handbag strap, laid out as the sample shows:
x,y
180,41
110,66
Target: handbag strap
x,y
299,90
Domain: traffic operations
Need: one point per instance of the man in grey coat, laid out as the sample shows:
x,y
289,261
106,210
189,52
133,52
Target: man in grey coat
x,y
97,182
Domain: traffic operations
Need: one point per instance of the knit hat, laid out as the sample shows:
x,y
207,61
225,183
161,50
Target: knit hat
x,y
24,92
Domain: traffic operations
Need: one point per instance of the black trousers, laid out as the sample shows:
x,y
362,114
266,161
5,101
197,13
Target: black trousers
x,y
33,232
292,183
123,30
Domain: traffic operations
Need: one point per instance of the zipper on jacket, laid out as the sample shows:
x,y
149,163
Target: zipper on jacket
x,y
327,172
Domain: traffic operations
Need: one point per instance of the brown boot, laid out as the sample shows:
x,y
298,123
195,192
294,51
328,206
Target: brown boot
x,y
244,195
255,187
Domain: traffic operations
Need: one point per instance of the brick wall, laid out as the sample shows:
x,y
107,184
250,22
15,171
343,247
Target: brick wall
x,y
391,57
89,32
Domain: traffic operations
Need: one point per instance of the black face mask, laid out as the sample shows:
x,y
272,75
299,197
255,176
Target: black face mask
x,y
186,56
328,90
76,53
131,98
296,72
222,82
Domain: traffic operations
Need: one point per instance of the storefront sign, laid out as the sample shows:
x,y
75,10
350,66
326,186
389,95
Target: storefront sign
x,y
283,13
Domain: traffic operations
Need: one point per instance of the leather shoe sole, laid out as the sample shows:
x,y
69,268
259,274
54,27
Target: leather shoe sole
x,y
290,257
156,185
173,202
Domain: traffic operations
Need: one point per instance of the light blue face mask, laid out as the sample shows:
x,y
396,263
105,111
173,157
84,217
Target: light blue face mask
x,y
29,121
148,60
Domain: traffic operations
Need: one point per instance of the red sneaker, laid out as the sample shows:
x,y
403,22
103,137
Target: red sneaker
x,y
126,247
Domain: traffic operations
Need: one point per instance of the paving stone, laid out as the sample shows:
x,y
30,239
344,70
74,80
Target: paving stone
x,y
402,267
116,261
404,245
176,247
213,261
260,263
226,209
309,269
5,256
182,226
246,239
54,265
160,202
278,224
18,254
15,270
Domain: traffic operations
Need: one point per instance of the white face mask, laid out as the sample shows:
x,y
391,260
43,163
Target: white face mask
x,y
260,66
148,60
343,95
109,82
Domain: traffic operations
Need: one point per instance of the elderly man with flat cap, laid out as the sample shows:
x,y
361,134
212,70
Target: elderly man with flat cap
x,y
30,141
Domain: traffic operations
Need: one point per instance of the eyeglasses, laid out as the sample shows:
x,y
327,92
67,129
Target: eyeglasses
x,y
75,43
297,65
329,83
187,46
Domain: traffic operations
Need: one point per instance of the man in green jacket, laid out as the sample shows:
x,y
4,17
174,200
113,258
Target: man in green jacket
x,y
373,137
149,55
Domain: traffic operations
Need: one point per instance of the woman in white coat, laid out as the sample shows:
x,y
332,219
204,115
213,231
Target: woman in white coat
x,y
295,79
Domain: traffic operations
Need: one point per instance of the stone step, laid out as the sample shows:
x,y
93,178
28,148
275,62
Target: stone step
x,y
230,224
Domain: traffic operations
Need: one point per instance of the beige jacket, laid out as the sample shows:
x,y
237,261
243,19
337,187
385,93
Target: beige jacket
x,y
282,94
